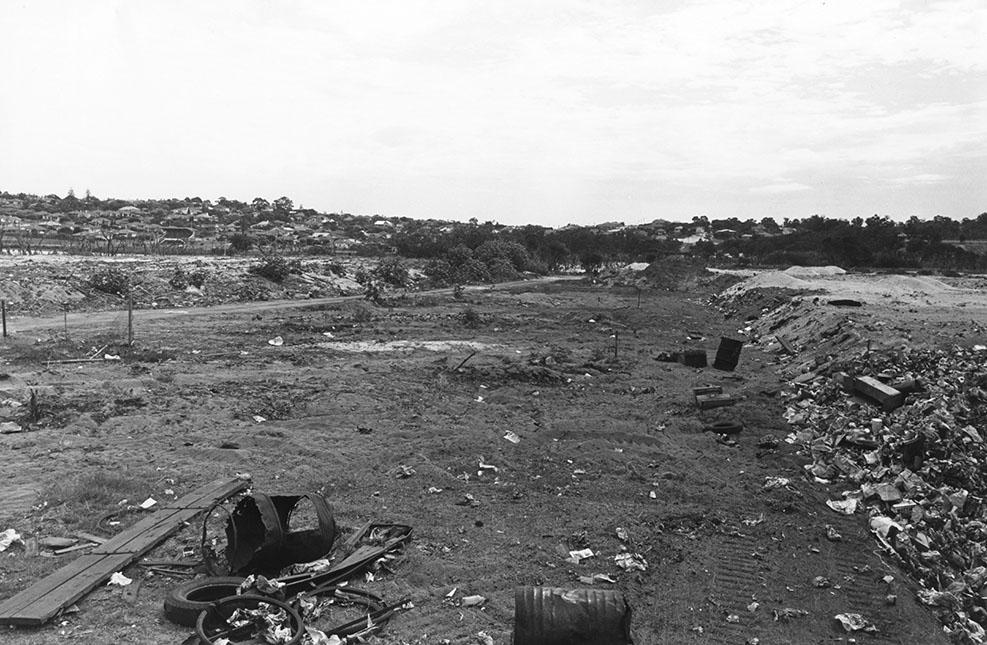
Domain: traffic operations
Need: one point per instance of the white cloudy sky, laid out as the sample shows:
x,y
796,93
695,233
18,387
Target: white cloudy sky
x,y
548,111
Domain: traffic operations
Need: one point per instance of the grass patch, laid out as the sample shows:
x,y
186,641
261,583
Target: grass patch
x,y
81,502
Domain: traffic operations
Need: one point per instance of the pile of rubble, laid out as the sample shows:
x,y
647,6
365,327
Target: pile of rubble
x,y
903,431
917,470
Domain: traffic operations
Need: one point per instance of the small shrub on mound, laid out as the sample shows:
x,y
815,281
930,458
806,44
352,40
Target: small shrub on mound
x,y
276,268
110,280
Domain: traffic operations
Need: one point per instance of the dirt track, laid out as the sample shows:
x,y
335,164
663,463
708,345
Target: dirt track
x,y
605,442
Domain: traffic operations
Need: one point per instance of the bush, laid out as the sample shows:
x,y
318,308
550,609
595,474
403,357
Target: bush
x,y
393,272
276,268
470,318
335,268
241,242
181,280
110,280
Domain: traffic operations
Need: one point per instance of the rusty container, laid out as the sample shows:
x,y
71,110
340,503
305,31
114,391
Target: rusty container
x,y
556,616
728,354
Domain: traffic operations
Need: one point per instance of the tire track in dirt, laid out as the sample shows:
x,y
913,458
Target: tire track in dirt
x,y
736,580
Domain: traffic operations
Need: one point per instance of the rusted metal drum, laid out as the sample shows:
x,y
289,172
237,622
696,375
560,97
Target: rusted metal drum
x,y
728,354
556,616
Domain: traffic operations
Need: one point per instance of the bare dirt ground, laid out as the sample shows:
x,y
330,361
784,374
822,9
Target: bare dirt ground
x,y
608,439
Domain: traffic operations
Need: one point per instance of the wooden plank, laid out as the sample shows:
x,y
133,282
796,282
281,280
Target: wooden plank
x,y
44,599
205,496
887,396
707,401
785,344
116,543
47,584
42,610
139,543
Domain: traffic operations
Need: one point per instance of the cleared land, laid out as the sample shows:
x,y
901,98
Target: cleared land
x,y
609,438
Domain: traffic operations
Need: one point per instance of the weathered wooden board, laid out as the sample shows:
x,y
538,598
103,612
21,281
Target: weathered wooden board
x,y
40,602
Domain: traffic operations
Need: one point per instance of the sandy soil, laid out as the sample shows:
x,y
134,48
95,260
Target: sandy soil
x,y
609,438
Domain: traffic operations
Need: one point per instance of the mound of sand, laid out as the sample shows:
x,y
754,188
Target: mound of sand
x,y
814,272
768,280
897,285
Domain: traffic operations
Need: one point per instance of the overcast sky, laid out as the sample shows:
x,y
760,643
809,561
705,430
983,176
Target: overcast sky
x,y
515,111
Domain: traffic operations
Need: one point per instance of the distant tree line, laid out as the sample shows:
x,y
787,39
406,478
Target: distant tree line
x,y
876,242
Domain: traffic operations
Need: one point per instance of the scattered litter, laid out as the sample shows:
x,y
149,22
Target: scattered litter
x,y
148,503
576,556
822,582
111,357
786,614
753,521
277,341
484,638
845,506
512,437
432,490
119,579
596,577
472,601
9,427
403,471
622,534
733,618
770,483
8,537
855,622
259,419
631,561
832,535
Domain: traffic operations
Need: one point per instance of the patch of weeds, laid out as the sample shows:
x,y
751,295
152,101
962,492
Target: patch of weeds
x,y
110,280
83,500
273,406
182,280
470,318
276,268
360,314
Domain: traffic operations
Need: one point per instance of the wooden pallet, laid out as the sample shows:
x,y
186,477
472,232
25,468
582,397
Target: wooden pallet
x,y
40,602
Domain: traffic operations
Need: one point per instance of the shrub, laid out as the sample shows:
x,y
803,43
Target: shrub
x,y
110,280
336,268
276,268
393,272
470,318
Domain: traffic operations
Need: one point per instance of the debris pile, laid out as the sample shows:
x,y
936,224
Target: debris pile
x,y
917,469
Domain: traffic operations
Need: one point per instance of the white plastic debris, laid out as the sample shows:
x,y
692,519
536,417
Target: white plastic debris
x,y
472,601
622,534
148,503
277,341
512,437
111,357
596,577
631,561
771,483
259,419
119,579
8,537
581,554
854,622
844,506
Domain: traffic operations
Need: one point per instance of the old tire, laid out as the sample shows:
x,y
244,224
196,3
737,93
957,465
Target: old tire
x,y
184,603
221,610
